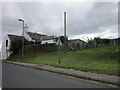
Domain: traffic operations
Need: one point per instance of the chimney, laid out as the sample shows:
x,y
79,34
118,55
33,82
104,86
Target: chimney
x,y
26,28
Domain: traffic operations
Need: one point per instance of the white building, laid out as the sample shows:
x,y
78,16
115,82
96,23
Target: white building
x,y
30,36
5,53
39,38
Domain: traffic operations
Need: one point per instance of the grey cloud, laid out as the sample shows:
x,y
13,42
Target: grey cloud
x,y
101,15
47,18
10,25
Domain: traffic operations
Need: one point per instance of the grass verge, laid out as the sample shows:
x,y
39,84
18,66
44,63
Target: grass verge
x,y
98,60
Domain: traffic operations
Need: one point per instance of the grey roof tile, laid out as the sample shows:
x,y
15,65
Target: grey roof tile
x,y
14,37
38,37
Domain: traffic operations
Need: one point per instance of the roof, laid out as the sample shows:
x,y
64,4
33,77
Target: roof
x,y
14,37
35,36
47,37
76,40
38,37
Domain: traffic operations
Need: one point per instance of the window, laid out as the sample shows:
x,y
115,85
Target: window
x,y
6,43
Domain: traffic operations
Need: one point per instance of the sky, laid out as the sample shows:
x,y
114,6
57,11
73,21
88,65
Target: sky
x,y
84,19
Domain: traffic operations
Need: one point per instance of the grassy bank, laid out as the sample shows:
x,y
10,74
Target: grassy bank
x,y
99,60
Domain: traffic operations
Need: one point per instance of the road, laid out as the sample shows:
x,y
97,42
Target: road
x,y
15,76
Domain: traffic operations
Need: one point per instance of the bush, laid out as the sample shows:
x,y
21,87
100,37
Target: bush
x,y
63,39
16,45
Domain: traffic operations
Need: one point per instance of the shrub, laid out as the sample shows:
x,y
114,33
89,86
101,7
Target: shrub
x,y
16,45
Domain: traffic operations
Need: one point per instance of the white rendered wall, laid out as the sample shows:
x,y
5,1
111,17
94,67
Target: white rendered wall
x,y
4,54
47,41
27,36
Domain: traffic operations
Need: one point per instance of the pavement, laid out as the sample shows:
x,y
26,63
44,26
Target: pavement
x,y
103,78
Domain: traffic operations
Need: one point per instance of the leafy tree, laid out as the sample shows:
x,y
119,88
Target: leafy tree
x,y
90,40
63,39
98,40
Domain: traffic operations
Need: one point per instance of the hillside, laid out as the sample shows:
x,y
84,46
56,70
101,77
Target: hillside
x,y
99,60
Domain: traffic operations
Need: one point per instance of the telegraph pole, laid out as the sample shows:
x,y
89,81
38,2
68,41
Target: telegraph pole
x,y
65,26
22,38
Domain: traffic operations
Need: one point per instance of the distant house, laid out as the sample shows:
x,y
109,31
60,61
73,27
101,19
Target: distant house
x,y
105,42
76,43
115,41
6,45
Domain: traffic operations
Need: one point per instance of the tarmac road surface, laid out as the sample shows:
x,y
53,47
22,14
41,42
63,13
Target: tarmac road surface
x,y
15,76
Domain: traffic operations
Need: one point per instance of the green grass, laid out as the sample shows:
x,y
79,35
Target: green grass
x,y
98,60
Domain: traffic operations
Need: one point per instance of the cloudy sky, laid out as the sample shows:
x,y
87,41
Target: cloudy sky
x,y
84,19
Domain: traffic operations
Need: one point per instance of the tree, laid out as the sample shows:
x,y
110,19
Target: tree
x,y
90,40
63,39
98,40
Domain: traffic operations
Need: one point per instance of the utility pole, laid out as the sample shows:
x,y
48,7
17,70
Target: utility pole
x,y
65,26
22,39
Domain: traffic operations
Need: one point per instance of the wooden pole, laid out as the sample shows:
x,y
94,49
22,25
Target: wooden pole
x,y
65,26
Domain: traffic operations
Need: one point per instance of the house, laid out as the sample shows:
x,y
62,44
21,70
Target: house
x,y
30,36
5,53
39,38
77,44
115,41
34,37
